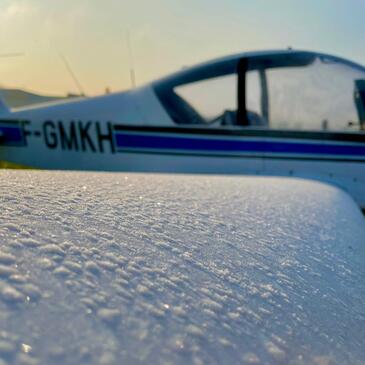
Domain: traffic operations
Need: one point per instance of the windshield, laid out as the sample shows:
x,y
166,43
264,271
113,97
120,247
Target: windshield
x,y
296,91
318,96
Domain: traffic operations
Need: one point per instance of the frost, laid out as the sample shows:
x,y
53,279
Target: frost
x,y
6,348
31,291
194,330
73,266
62,272
92,267
29,242
274,351
7,271
109,316
11,295
52,249
178,269
6,258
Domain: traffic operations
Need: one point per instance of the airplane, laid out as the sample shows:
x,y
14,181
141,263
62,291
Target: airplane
x,y
282,113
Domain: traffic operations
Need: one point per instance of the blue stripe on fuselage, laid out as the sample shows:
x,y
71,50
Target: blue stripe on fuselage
x,y
10,135
125,141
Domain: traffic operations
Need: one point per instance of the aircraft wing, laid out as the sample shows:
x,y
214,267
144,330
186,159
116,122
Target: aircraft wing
x,y
115,268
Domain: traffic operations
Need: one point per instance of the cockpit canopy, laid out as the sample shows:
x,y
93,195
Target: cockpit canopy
x,y
278,90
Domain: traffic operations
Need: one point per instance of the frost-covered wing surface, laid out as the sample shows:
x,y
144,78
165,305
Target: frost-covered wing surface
x,y
117,269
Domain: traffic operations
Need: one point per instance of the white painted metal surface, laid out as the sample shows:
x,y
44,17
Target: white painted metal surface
x,y
104,268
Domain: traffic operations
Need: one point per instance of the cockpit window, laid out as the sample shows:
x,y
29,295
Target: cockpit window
x,y
211,98
319,96
289,90
202,95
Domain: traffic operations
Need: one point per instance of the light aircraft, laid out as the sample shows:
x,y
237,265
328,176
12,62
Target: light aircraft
x,y
283,113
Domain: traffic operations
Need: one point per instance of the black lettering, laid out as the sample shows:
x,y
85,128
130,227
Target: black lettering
x,y
68,141
50,136
85,137
105,137
26,133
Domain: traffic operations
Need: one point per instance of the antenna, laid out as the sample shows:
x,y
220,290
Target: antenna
x,y
73,76
131,61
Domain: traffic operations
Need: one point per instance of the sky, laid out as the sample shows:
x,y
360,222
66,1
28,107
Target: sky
x,y
165,35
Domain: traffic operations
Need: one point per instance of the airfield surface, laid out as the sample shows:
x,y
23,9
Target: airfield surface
x,y
101,268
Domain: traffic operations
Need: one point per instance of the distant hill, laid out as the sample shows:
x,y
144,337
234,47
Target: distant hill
x,y
16,97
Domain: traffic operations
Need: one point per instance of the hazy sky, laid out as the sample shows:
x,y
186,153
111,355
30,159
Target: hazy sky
x,y
165,36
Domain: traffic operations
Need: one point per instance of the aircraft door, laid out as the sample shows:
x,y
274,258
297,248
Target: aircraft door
x,y
312,104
